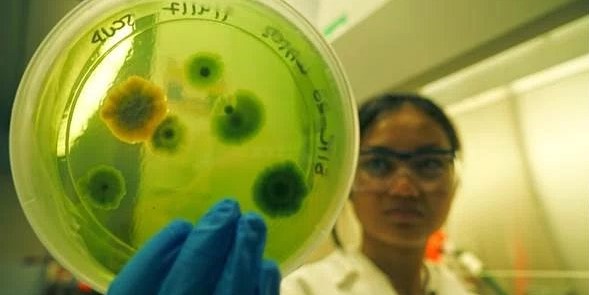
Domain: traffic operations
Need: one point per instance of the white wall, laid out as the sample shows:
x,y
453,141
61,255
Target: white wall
x,y
491,214
555,124
334,17
524,200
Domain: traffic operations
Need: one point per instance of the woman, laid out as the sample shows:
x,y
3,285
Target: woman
x,y
402,193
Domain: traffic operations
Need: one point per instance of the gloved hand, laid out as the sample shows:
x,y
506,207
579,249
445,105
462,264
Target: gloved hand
x,y
221,255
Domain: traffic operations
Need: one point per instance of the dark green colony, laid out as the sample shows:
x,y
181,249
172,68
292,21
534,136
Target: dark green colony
x,y
204,69
280,189
103,186
239,120
169,135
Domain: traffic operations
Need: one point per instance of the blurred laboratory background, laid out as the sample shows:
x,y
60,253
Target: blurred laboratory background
x,y
514,75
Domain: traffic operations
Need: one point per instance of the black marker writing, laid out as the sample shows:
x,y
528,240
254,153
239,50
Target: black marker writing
x,y
324,140
102,34
195,9
284,47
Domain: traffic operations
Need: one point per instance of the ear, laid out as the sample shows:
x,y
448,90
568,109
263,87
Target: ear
x,y
456,184
352,194
348,227
457,181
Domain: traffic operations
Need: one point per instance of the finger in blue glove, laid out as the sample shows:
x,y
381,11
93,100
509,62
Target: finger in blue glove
x,y
242,269
269,279
200,263
221,255
143,273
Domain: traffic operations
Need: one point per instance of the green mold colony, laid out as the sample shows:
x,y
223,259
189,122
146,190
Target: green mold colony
x,y
103,186
280,189
240,121
204,69
169,135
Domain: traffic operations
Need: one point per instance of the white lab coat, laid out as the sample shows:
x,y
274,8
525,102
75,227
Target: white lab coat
x,y
352,273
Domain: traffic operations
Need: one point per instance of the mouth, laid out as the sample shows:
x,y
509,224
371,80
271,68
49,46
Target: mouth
x,y
405,214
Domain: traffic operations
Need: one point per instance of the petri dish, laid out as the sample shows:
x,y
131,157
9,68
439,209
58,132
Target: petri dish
x,y
134,113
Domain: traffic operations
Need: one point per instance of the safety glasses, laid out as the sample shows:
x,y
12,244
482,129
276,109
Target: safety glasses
x,y
378,165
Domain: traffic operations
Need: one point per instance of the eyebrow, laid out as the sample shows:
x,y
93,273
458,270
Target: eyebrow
x,y
434,149
422,150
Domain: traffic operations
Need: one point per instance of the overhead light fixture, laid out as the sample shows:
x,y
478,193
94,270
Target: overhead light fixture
x,y
552,74
571,35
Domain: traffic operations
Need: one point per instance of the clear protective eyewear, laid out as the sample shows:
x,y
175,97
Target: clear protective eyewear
x,y
378,165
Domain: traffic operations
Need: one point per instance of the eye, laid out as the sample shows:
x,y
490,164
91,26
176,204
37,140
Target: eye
x,y
376,165
430,165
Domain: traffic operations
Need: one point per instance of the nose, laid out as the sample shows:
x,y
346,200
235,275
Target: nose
x,y
402,184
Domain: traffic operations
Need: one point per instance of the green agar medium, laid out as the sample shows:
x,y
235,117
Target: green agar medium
x,y
204,69
241,120
280,189
103,186
169,135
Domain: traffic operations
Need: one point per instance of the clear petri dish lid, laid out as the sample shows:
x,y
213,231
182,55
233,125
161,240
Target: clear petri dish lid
x,y
149,111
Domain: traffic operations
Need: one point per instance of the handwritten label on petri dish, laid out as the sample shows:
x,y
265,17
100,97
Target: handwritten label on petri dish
x,y
324,140
285,47
195,9
104,33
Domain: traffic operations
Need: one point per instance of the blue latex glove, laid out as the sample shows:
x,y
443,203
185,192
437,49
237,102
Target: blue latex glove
x,y
222,255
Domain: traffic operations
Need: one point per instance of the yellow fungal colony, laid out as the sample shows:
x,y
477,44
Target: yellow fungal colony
x,y
134,109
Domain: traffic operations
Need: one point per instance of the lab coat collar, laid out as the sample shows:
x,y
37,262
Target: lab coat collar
x,y
348,269
352,263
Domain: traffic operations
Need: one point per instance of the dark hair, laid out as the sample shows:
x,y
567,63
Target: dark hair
x,y
370,111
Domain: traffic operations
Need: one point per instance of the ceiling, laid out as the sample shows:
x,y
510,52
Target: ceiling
x,y
409,43
404,45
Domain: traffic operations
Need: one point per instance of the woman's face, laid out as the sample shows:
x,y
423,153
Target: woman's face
x,y
405,183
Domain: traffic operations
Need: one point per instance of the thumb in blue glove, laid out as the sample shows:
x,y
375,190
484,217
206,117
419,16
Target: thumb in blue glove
x,y
221,255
